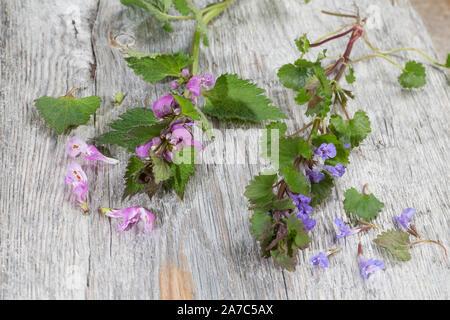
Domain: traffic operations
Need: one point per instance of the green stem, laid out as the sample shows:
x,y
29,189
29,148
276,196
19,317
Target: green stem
x,y
377,55
402,49
170,17
196,51
217,10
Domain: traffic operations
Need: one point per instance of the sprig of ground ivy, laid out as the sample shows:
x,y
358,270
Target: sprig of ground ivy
x,y
308,161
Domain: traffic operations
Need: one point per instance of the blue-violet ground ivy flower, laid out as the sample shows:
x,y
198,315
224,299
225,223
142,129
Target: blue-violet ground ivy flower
x,y
370,266
320,260
336,171
314,175
405,217
326,151
345,231
304,210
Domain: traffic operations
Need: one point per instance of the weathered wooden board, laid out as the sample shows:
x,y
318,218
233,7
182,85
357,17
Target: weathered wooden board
x,y
202,247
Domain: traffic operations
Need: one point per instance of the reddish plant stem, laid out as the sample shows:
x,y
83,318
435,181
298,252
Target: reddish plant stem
x,y
312,45
355,36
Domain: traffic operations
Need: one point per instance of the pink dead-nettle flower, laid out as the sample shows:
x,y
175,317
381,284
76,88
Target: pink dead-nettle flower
x,y
130,217
75,146
76,177
196,83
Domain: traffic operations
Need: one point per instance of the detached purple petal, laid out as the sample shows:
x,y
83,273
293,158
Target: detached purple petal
x,y
314,175
320,260
345,231
370,266
326,151
131,216
405,217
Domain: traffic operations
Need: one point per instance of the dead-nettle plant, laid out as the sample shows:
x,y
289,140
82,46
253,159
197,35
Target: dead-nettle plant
x,y
306,162
161,137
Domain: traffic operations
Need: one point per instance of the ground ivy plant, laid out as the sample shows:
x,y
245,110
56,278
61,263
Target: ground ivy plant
x,y
306,163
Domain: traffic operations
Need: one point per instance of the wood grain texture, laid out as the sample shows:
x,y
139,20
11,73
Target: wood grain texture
x,y
202,247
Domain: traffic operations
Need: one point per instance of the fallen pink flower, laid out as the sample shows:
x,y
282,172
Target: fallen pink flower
x,y
76,177
130,217
75,146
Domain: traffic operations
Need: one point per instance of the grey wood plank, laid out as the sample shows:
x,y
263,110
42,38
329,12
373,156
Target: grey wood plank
x,y
202,247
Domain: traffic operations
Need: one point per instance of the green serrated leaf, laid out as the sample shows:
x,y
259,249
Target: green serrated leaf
x,y
413,75
181,174
396,242
234,98
288,149
64,112
283,259
259,191
294,76
161,170
133,168
350,78
297,232
341,152
157,8
353,131
119,135
141,135
302,97
154,69
321,190
260,224
364,206
181,7
296,181
187,107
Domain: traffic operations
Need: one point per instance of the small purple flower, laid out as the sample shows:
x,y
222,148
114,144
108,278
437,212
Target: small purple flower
x,y
304,210
131,216
320,260
314,175
185,73
302,203
196,83
174,84
308,222
326,151
336,171
164,106
347,145
75,146
143,150
76,177
405,217
345,231
370,266
209,80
